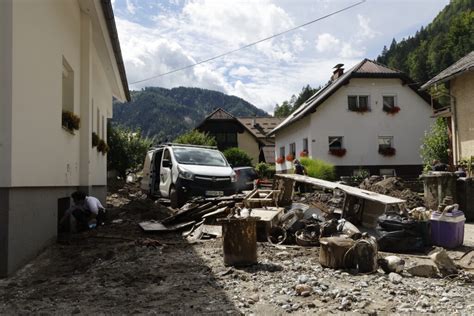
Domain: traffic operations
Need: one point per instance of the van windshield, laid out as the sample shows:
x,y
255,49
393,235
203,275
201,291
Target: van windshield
x,y
199,156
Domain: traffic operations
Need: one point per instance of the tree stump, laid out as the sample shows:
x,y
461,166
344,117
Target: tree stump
x,y
285,186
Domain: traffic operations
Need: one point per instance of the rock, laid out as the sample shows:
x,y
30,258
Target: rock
x,y
395,278
282,254
76,311
254,298
444,263
345,304
391,264
302,279
424,270
300,288
305,293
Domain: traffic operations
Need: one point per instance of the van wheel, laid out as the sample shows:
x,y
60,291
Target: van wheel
x,y
175,198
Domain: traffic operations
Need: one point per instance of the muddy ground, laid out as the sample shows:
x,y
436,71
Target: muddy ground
x,y
117,269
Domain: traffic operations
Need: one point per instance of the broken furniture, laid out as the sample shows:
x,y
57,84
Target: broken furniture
x,y
261,198
361,207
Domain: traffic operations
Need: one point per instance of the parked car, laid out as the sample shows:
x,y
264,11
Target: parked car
x,y
179,172
245,178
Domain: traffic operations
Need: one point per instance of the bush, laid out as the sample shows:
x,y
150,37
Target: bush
x,y
435,144
127,150
195,137
265,170
319,169
237,157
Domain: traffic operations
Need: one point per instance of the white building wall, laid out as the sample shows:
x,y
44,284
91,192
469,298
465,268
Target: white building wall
x,y
361,130
102,100
294,133
43,154
5,91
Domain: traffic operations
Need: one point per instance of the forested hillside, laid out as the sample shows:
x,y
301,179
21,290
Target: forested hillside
x,y
167,113
445,40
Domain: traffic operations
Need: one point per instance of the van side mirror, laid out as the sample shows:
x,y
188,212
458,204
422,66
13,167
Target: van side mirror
x,y
166,163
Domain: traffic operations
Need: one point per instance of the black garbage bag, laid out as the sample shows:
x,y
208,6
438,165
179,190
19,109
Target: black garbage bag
x,y
392,223
401,241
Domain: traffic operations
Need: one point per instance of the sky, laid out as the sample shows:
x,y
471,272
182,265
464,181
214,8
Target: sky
x,y
160,36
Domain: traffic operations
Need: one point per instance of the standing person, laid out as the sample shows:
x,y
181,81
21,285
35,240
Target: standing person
x,y
85,208
299,169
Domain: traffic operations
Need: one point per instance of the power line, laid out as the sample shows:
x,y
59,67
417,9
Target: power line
x,y
251,44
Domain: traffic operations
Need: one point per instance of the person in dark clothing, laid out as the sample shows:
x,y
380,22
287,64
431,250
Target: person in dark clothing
x,y
299,169
84,209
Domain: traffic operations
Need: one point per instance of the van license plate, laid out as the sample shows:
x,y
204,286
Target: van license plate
x,y
214,193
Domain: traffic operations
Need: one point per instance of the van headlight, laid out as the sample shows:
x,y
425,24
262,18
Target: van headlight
x,y
185,174
233,177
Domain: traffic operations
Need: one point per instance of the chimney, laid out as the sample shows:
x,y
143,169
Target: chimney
x,y
254,121
338,71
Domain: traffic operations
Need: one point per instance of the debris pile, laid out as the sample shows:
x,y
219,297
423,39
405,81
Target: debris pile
x,y
394,187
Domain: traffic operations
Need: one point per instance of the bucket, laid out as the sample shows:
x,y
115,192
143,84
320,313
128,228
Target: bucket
x,y
447,229
239,239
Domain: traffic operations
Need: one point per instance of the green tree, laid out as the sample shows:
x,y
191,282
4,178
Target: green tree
x,y
127,149
283,110
195,137
435,143
237,157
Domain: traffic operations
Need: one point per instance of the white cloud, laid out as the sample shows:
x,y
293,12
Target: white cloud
x,y
131,7
327,43
366,31
177,33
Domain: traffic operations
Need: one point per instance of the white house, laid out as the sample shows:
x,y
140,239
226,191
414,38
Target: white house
x,y
60,61
370,117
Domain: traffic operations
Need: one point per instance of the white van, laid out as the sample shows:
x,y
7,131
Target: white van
x,y
179,172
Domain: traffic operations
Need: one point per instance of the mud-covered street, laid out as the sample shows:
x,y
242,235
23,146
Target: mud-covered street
x,y
117,269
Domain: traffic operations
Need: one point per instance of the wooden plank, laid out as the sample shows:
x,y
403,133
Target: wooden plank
x,y
154,226
213,230
364,194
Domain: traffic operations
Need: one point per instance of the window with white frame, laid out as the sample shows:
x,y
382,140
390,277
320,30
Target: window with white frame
x,y
292,149
358,102
389,102
385,142
282,151
67,87
335,142
305,144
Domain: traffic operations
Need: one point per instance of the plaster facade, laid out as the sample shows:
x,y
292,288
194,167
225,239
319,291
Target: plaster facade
x,y
462,88
360,131
42,162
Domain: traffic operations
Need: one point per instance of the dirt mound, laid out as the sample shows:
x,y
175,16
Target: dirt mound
x,y
395,187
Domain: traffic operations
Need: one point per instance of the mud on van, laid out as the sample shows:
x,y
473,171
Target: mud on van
x,y
179,172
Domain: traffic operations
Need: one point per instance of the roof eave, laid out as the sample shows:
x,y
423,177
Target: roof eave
x,y
112,30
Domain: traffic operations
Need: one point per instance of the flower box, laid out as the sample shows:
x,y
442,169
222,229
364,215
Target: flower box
x,y
339,152
388,151
70,120
102,147
95,139
304,154
280,160
290,157
391,110
360,109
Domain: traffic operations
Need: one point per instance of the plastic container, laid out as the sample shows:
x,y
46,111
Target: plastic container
x,y
447,229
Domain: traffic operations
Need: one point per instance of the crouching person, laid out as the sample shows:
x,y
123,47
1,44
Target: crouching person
x,y
84,209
